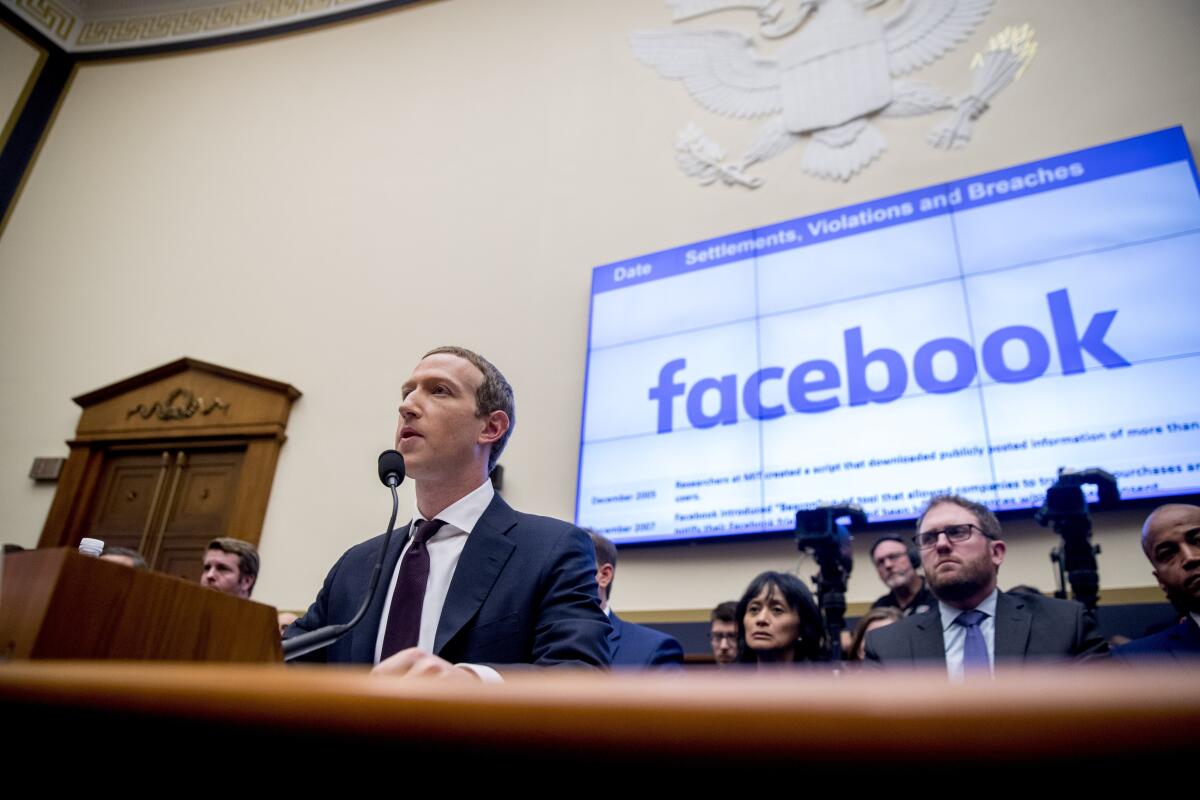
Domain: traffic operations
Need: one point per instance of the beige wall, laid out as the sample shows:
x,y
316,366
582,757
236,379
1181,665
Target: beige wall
x,y
18,61
322,208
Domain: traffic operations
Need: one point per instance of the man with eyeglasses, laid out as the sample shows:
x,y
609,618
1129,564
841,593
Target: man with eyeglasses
x,y
974,625
897,563
722,633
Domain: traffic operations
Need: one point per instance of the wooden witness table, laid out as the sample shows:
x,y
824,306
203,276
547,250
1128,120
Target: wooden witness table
x,y
1097,722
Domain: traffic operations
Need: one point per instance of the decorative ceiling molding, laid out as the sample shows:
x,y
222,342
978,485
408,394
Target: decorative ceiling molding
x,y
98,26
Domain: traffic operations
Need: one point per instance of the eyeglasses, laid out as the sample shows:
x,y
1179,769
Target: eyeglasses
x,y
722,637
954,534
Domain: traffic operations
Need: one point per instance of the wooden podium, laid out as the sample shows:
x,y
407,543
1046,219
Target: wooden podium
x,y
58,604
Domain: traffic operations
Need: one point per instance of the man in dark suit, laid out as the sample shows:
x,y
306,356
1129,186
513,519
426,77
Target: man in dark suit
x,y
1171,540
472,584
974,626
633,645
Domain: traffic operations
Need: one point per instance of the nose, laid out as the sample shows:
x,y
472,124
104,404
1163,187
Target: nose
x,y
1191,555
943,543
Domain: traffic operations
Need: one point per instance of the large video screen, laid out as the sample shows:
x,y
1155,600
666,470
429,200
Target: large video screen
x,y
971,337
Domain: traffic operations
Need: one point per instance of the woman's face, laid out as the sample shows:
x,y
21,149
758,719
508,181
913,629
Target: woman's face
x,y
771,624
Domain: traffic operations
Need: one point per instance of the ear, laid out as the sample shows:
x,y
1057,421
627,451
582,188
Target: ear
x,y
604,575
246,583
998,548
1161,585
496,424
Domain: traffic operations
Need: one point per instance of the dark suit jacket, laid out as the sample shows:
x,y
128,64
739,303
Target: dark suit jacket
x,y
1028,628
524,592
635,645
1180,642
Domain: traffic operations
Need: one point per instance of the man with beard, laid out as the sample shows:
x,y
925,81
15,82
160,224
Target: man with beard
x,y
896,562
974,626
1171,540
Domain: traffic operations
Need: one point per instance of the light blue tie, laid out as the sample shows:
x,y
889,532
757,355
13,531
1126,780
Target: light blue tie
x,y
975,655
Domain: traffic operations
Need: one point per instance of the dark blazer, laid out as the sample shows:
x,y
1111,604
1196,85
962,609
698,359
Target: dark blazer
x,y
524,592
1180,642
636,645
1028,628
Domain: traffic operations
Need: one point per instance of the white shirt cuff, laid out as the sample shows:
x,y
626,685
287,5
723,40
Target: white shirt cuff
x,y
484,673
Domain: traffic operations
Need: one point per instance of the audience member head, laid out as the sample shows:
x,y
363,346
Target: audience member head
x,y
778,621
1171,540
286,618
896,561
961,550
123,555
723,633
230,566
875,618
606,565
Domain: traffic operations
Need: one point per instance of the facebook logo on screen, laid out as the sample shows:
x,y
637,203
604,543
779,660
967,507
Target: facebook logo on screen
x,y
809,385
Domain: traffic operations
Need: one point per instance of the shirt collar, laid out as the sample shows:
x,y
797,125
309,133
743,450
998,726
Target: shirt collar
x,y
950,613
464,513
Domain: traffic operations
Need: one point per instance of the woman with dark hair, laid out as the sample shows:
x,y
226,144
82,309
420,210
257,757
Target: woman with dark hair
x,y
778,622
875,618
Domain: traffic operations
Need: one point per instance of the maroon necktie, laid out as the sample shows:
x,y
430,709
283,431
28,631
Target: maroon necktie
x,y
404,617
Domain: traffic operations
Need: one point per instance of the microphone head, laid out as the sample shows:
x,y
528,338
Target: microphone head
x,y
391,468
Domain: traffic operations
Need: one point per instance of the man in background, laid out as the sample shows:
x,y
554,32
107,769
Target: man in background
x,y
974,627
632,645
123,555
1171,541
230,566
897,561
722,633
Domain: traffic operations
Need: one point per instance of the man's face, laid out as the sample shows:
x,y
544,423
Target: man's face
x,y
439,433
959,570
221,572
723,638
891,561
1172,543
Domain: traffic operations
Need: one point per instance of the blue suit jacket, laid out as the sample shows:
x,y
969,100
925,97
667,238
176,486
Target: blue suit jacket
x,y
1180,642
524,592
635,645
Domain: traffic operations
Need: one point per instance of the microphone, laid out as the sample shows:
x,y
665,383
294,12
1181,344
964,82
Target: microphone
x,y
391,474
391,468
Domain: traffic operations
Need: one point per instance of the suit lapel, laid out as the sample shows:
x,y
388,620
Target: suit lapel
x,y
362,644
927,642
484,556
1013,621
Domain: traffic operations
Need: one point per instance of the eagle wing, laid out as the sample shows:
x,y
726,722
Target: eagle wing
x,y
718,68
922,31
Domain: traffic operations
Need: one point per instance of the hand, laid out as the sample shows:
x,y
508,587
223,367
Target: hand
x,y
416,663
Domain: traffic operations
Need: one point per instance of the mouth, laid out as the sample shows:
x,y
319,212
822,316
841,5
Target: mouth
x,y
946,562
407,433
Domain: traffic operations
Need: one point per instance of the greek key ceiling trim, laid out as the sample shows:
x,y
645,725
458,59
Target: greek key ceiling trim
x,y
82,28
54,20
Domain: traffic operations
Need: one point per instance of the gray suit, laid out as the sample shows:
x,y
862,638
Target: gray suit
x,y
1028,628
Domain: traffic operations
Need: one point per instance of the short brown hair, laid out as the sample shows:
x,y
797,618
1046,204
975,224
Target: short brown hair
x,y
494,394
987,520
606,553
247,555
725,612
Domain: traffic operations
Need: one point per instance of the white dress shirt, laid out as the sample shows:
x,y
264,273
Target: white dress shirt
x,y
445,547
955,636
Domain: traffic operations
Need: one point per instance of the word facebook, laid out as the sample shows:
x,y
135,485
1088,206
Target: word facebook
x,y
819,376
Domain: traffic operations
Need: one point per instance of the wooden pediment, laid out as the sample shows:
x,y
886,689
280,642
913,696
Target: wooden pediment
x,y
186,398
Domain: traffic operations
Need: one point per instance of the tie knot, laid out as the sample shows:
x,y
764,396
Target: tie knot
x,y
970,619
426,528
